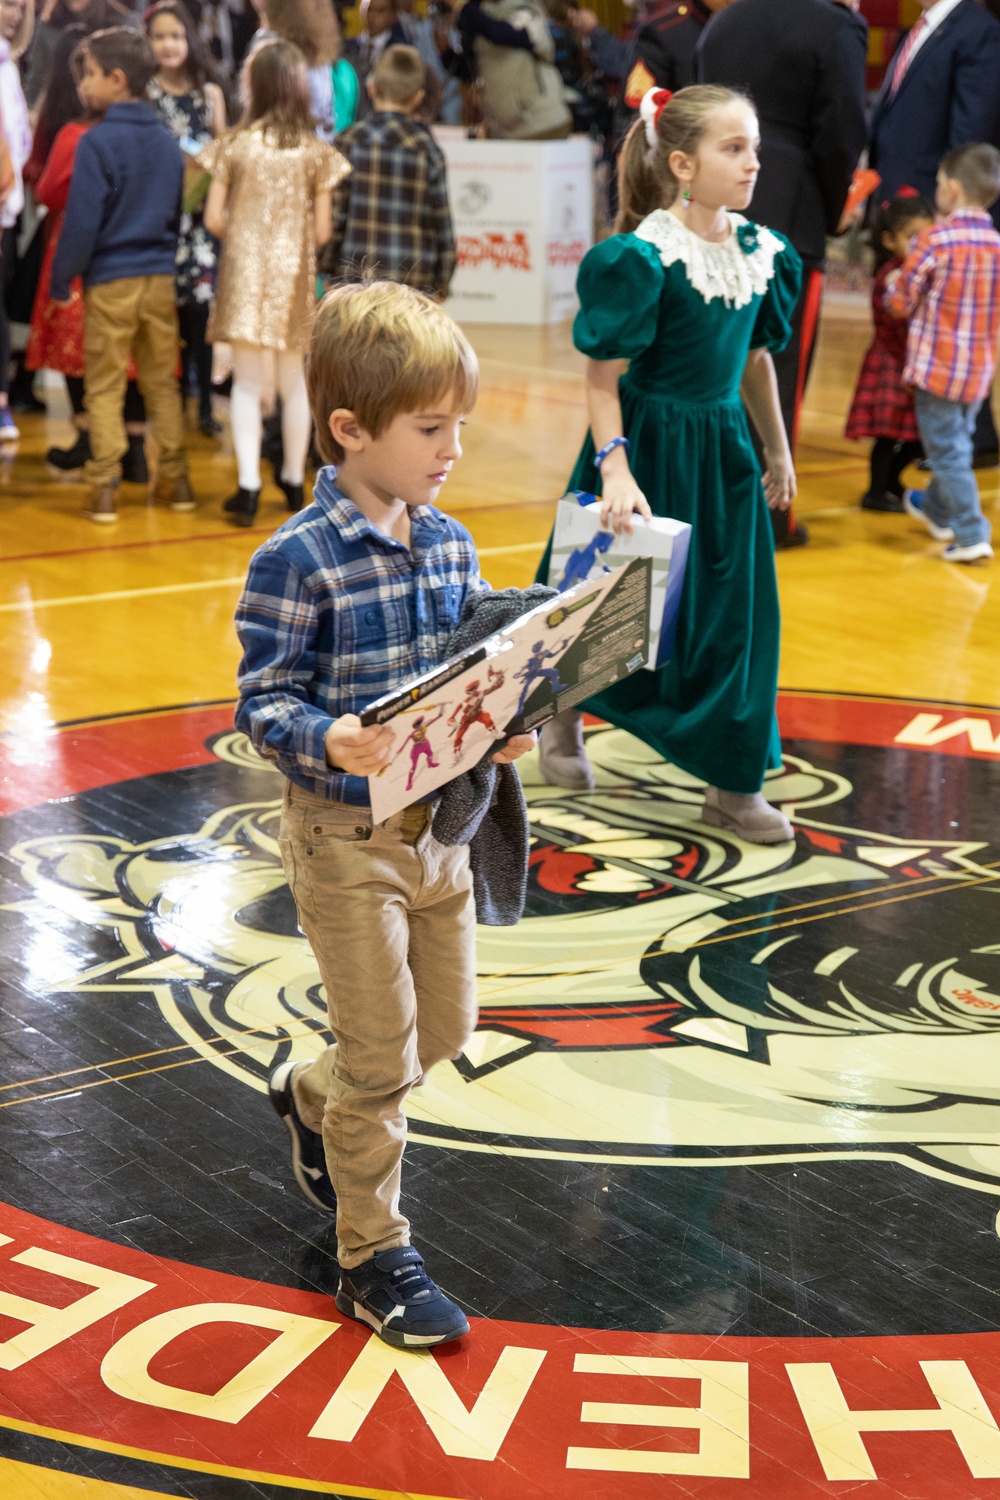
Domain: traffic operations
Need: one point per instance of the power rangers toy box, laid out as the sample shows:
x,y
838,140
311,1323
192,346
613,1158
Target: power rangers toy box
x,y
549,659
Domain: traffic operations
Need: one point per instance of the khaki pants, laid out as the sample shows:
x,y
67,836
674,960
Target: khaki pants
x,y
134,315
390,915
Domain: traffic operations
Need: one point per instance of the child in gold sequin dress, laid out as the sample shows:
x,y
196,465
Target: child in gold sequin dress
x,y
269,203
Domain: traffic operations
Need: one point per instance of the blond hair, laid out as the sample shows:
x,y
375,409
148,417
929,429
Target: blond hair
x,y
645,181
380,349
399,75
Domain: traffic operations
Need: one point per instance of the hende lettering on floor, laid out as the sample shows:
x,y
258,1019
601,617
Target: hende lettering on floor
x,y
721,1414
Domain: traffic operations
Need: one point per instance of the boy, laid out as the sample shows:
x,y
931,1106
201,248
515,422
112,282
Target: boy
x,y
391,216
120,235
949,288
358,592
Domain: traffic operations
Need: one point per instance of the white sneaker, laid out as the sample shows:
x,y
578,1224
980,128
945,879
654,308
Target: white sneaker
x,y
977,552
913,504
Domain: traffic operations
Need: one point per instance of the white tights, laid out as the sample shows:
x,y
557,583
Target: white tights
x,y
257,372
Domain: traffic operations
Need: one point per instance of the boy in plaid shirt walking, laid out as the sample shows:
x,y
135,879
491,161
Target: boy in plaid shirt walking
x,y
348,599
391,216
949,288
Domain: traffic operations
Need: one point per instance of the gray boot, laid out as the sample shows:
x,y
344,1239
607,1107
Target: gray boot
x,y
561,756
751,817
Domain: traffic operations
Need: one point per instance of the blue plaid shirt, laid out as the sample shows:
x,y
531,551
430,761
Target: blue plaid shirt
x,y
334,614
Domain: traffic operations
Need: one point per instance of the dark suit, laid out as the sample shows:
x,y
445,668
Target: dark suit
x,y
803,64
950,94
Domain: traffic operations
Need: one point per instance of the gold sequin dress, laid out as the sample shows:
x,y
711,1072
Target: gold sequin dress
x,y
266,292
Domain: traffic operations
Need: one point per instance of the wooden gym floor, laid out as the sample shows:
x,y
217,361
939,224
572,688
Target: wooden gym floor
x,y
718,1176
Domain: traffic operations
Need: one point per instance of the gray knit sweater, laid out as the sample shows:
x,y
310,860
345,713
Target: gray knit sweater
x,y
485,807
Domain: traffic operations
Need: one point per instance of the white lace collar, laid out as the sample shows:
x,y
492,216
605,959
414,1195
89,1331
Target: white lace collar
x,y
736,269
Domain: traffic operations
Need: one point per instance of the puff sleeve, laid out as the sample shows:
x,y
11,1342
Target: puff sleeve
x,y
619,286
329,167
217,157
773,327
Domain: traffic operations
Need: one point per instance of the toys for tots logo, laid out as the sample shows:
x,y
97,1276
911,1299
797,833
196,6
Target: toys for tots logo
x,y
494,248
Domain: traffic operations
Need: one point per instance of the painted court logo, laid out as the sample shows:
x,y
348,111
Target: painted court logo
x,y
672,997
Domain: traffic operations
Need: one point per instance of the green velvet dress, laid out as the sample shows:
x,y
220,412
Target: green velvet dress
x,y
685,313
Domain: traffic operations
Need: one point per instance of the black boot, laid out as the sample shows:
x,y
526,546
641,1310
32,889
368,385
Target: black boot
x,y
22,393
66,461
134,468
242,507
294,494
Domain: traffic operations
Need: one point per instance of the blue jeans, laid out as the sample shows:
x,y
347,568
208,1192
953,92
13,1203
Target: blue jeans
x,y
952,497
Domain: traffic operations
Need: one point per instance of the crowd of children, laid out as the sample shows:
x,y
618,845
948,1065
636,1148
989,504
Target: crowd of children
x,y
168,230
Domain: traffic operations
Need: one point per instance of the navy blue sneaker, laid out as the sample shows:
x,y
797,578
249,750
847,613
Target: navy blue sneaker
x,y
308,1157
393,1294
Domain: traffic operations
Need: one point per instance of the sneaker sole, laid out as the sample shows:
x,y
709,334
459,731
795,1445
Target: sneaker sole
x,y
968,561
101,520
360,1314
275,1091
179,508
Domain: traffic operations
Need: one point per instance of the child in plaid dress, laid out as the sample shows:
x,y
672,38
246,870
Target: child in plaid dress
x,y
882,407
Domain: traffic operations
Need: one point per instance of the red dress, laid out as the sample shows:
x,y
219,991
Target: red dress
x,y
56,338
883,405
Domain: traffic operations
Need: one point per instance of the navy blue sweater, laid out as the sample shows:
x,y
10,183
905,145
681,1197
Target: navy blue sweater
x,y
124,201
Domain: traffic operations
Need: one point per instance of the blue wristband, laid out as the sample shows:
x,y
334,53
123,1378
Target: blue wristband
x,y
619,442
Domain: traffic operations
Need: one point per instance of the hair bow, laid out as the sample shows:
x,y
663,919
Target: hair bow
x,y
654,101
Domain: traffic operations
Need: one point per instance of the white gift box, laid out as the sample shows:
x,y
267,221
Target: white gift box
x,y
582,549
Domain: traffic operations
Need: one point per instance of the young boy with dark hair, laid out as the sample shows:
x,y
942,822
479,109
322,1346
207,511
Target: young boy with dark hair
x,y
352,596
120,234
949,288
391,216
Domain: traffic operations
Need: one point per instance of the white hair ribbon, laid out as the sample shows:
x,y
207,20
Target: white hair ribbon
x,y
654,101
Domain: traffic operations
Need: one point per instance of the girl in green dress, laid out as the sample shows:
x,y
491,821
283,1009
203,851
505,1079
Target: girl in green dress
x,y
678,312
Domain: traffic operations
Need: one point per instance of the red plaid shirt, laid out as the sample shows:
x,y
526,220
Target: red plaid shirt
x,y
949,288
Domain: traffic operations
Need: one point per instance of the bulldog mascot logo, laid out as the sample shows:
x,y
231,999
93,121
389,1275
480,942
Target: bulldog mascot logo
x,y
672,996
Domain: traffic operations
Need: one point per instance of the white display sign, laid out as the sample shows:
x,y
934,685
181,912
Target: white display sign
x,y
523,213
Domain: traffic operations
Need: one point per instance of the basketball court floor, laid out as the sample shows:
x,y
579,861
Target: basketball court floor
x,y
718,1178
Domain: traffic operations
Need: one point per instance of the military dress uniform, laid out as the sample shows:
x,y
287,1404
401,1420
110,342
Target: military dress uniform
x,y
665,46
659,52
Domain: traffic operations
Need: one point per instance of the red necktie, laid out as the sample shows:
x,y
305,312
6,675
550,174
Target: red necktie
x,y
905,53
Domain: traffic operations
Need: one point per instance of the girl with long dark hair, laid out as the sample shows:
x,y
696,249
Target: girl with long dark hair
x,y
191,104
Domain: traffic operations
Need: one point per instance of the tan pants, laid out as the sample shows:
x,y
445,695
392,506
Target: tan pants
x,y
136,315
390,915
